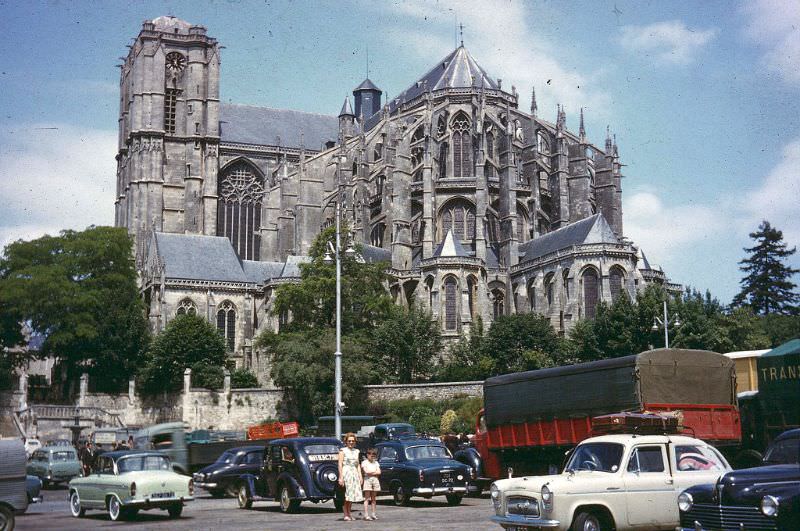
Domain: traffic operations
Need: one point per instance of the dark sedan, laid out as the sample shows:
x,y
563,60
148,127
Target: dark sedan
x,y
763,498
222,477
421,467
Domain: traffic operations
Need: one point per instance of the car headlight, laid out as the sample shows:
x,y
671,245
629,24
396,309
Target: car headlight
x,y
191,487
547,498
332,476
494,491
497,503
769,506
685,501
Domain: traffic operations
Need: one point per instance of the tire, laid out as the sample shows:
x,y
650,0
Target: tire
x,y
400,496
454,499
589,521
7,520
45,483
243,497
175,511
115,512
287,504
75,505
230,490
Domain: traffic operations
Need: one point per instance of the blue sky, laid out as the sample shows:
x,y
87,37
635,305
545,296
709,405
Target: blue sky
x,y
702,97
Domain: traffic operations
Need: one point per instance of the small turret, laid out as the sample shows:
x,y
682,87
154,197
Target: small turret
x,y
346,120
582,129
367,98
534,107
609,145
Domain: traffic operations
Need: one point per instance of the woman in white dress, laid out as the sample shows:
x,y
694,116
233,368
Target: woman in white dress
x,y
350,474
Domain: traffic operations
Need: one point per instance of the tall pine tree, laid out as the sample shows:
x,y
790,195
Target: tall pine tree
x,y
767,287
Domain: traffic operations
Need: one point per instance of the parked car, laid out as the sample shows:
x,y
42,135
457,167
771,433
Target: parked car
x,y
421,467
33,488
31,445
295,470
222,477
391,430
59,442
13,496
54,464
618,482
125,482
765,497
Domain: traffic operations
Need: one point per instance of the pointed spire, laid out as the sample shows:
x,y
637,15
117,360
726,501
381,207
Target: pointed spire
x,y
616,151
561,119
347,110
609,145
534,107
582,129
450,247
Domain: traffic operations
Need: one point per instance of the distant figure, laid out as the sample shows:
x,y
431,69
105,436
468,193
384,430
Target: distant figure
x,y
130,442
88,456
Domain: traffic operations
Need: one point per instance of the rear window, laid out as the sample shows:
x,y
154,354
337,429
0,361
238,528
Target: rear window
x,y
427,452
786,451
63,456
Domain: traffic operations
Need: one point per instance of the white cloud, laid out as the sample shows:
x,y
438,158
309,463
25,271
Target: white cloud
x,y
503,38
775,26
54,177
668,42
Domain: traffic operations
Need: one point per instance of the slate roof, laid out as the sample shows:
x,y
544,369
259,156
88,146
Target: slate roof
x,y
458,70
372,254
347,110
247,124
259,272
594,229
292,266
367,84
198,257
450,247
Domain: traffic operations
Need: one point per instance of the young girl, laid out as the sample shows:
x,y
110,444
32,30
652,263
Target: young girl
x,y
371,470
350,474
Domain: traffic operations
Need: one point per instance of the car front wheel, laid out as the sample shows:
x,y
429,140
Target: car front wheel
x,y
6,518
243,498
453,499
288,505
588,521
75,505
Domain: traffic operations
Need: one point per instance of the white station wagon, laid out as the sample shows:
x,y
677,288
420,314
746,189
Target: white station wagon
x,y
610,482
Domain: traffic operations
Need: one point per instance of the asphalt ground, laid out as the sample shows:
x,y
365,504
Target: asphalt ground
x,y
209,513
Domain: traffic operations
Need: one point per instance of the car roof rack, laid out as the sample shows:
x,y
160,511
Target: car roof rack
x,y
647,423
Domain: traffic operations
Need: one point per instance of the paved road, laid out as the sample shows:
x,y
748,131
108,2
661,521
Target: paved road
x,y
208,513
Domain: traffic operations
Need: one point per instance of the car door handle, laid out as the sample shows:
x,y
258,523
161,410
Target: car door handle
x,y
669,481
613,488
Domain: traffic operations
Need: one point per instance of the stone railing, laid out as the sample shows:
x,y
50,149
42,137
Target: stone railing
x,y
589,248
67,413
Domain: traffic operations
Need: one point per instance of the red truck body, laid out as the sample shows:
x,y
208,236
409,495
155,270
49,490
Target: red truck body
x,y
529,431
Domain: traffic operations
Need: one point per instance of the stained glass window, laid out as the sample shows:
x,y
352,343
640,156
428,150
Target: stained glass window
x,y
462,147
226,323
590,292
239,209
186,307
458,217
615,283
450,306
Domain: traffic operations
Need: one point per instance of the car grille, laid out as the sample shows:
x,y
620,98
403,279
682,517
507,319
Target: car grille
x,y
522,505
726,517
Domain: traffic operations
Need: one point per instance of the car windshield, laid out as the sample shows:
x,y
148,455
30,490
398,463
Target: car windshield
x,y
315,449
226,458
137,463
429,451
396,431
63,456
604,457
783,452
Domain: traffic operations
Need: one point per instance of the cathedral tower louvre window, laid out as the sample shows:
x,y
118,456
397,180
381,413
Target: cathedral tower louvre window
x,y
450,304
462,147
590,292
186,307
170,106
241,190
226,324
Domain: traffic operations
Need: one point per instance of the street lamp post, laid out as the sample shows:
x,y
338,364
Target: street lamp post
x,y
665,322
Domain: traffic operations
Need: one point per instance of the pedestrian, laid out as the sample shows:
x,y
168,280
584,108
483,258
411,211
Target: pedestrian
x,y
371,469
350,474
87,458
130,442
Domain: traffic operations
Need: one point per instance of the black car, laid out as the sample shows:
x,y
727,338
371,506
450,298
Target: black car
x,y
295,470
421,467
222,477
763,498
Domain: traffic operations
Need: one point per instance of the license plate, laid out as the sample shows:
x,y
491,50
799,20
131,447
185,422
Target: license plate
x,y
163,495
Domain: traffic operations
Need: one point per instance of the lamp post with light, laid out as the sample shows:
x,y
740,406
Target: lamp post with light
x,y
665,322
350,252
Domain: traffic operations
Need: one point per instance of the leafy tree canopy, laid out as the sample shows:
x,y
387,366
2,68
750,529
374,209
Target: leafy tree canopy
x,y
187,341
77,290
408,343
767,287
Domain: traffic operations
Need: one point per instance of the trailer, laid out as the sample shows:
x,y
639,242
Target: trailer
x,y
530,419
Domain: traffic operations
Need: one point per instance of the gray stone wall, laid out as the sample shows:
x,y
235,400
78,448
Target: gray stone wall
x,y
434,391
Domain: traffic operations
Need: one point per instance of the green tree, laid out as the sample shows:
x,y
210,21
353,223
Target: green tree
x,y
520,342
188,341
78,290
767,287
243,379
780,328
464,360
408,343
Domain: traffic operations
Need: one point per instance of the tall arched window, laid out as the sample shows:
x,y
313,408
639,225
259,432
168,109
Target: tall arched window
x,y
376,238
567,284
615,278
590,292
241,190
458,217
542,144
472,289
450,304
186,307
443,160
379,180
226,323
549,286
462,147
532,296
499,303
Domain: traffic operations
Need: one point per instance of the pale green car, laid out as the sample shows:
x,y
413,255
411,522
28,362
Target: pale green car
x,y
54,464
123,483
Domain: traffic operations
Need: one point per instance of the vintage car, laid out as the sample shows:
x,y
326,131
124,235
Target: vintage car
x,y
421,467
295,470
125,482
13,496
610,482
33,488
222,477
765,497
54,464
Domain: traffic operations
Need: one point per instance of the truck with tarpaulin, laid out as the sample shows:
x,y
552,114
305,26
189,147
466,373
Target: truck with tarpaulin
x,y
530,419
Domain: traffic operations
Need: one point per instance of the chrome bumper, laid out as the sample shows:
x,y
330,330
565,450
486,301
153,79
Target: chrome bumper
x,y
522,521
205,485
431,491
157,502
37,499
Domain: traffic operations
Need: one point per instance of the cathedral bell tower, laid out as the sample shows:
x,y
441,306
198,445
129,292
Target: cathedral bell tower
x,y
168,131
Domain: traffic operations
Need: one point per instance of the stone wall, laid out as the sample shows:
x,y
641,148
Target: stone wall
x,y
434,391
